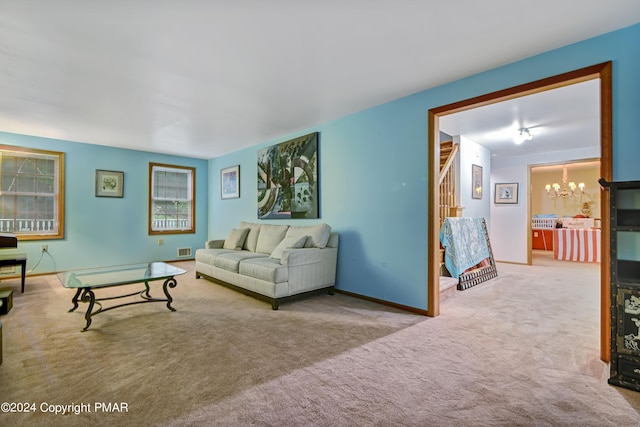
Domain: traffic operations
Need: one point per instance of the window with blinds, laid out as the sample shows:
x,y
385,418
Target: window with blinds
x,y
171,199
31,193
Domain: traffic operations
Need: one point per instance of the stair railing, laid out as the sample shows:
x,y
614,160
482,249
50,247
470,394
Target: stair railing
x,y
448,184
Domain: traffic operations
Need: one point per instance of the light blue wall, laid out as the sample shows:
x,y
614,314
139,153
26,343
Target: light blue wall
x,y
102,231
373,167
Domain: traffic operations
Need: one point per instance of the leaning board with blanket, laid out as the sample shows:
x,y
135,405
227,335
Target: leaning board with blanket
x,y
467,250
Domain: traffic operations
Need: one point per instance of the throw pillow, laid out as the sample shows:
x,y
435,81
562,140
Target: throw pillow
x,y
288,243
252,237
235,239
318,235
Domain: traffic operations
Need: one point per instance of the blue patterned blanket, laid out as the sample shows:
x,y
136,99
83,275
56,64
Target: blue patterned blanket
x,y
464,243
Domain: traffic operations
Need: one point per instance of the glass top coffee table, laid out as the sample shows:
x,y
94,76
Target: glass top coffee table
x,y
87,281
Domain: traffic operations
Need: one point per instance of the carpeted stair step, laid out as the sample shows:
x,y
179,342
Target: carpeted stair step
x,y
448,287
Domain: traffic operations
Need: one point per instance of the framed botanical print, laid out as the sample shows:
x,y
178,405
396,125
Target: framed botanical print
x,y
230,182
109,183
506,193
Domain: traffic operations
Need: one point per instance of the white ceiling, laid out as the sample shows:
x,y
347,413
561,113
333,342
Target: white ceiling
x,y
202,78
561,119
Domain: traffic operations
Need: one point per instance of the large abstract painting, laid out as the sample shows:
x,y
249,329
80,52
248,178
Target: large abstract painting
x,y
288,179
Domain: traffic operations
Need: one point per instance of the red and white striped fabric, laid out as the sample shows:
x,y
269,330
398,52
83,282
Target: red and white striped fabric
x,y
576,244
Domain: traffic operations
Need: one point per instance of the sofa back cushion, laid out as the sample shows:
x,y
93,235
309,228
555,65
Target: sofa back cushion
x,y
235,239
252,237
318,235
269,237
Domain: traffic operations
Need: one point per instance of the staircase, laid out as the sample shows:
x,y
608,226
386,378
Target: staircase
x,y
446,148
448,152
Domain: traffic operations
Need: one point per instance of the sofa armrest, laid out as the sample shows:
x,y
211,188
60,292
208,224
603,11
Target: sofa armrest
x,y
303,256
214,244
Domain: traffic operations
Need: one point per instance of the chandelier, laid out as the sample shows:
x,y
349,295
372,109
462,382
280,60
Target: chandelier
x,y
554,190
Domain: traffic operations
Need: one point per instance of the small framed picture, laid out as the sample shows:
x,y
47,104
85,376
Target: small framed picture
x,y
230,182
109,183
506,193
476,182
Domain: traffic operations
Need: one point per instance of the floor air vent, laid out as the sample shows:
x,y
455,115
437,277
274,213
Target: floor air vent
x,y
7,269
184,252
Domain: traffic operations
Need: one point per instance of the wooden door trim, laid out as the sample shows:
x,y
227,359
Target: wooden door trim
x,y
599,71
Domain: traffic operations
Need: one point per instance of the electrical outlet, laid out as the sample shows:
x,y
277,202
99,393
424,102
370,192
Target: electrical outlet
x,y
44,248
160,242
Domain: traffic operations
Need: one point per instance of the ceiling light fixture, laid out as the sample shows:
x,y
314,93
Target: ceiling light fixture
x,y
522,136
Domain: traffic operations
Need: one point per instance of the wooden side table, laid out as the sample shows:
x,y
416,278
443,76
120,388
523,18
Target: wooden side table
x,y
15,259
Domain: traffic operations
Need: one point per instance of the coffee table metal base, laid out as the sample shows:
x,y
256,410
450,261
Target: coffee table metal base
x,y
87,295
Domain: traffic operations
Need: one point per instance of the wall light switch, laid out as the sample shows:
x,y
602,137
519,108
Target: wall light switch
x,y
160,242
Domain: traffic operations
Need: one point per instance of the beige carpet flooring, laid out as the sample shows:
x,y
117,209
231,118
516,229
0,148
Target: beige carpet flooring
x,y
519,350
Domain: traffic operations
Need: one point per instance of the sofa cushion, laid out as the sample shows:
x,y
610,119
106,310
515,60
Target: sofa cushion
x,y
267,269
235,239
252,237
269,237
230,261
318,235
208,256
291,242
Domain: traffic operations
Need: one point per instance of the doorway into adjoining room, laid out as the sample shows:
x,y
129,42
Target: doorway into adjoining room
x,y
565,212
517,222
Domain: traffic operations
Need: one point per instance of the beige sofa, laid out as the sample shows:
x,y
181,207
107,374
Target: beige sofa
x,y
274,263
